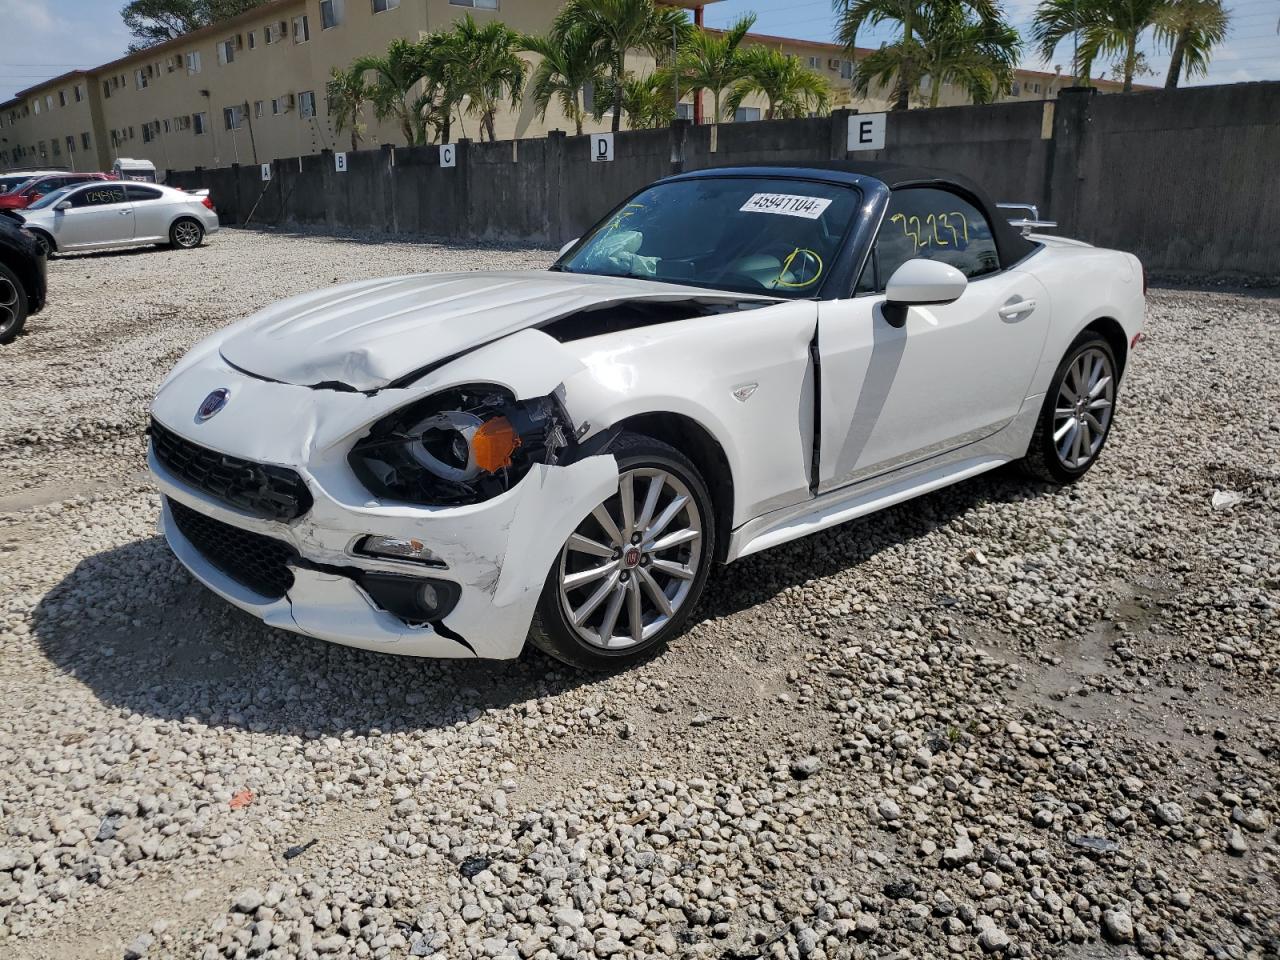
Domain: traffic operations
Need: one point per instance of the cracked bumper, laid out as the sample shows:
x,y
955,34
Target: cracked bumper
x,y
498,552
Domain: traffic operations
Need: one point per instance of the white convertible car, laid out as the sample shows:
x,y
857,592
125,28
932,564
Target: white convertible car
x,y
447,464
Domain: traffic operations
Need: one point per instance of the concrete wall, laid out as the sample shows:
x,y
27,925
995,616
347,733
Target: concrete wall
x,y
1181,178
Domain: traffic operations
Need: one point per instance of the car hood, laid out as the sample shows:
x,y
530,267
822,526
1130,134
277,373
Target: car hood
x,y
370,334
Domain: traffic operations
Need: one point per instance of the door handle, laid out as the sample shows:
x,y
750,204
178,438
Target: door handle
x,y
1010,310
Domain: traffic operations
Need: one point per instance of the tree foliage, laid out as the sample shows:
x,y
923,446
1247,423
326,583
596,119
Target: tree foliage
x,y
569,62
155,21
789,88
714,62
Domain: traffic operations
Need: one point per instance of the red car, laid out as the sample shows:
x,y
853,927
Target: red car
x,y
27,194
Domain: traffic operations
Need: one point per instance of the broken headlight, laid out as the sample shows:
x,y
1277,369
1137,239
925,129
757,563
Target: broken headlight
x,y
464,445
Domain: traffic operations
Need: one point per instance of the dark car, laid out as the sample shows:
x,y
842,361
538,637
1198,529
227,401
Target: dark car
x,y
28,193
22,279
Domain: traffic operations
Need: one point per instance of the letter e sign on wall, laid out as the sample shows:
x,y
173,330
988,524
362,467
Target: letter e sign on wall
x,y
601,146
866,131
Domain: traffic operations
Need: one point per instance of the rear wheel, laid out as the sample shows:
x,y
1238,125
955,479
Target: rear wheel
x,y
13,305
1077,413
185,234
629,576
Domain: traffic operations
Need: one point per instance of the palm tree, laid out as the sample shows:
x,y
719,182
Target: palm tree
x,y
395,75
619,26
914,18
1055,20
568,64
347,93
713,62
649,102
790,89
976,56
486,67
1192,28
1106,27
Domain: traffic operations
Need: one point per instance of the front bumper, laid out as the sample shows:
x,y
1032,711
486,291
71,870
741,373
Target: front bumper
x,y
498,552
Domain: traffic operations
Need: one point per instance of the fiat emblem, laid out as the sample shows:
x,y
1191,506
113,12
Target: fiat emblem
x,y
632,557
212,404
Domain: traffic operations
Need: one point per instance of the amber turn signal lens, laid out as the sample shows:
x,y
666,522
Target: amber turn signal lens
x,y
493,443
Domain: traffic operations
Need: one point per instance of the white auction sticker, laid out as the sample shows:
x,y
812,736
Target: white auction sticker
x,y
787,204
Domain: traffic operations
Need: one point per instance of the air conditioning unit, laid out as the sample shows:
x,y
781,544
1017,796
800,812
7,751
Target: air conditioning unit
x,y
833,63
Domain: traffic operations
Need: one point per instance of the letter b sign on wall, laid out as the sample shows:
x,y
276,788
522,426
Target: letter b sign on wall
x,y
866,131
601,146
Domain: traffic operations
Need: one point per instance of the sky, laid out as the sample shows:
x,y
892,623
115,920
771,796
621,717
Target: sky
x,y
44,38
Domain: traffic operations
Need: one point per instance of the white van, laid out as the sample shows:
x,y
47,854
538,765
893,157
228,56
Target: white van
x,y
126,169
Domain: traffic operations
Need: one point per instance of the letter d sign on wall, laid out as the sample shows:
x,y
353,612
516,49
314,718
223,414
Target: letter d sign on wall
x,y
866,131
601,146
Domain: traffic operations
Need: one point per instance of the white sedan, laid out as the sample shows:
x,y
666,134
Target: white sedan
x,y
445,465
112,213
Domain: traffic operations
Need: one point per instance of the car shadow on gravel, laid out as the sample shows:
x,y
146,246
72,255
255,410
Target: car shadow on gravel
x,y
135,628
760,577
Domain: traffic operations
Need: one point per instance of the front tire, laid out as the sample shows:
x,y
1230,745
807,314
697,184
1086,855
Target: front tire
x,y
186,234
13,305
46,243
626,581
1078,410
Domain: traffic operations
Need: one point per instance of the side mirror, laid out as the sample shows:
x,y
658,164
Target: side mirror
x,y
567,247
921,281
64,205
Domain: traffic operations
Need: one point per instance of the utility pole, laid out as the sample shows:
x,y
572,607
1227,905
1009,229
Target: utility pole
x,y
253,144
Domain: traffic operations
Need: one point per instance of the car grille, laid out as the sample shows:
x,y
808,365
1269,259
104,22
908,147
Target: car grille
x,y
265,491
251,559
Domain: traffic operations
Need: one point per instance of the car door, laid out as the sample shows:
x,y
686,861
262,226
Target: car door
x,y
100,215
152,211
952,373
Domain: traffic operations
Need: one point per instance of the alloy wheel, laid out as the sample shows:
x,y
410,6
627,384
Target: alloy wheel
x,y
629,567
1082,413
186,233
9,303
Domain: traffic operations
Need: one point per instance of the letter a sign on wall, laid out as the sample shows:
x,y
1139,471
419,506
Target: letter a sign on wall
x,y
866,131
266,172
601,146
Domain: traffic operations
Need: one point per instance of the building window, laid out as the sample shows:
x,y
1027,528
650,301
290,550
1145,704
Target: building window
x,y
146,133
328,14
79,92
200,121
1036,88
478,4
232,117
227,51
193,62
140,79
131,133
846,69
382,6
57,148
815,63
307,104
48,100
745,114
62,98
1016,89
106,90
301,29
257,109
85,141
253,40
37,106
684,111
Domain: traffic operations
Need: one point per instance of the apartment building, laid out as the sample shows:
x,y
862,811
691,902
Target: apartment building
x,y
252,89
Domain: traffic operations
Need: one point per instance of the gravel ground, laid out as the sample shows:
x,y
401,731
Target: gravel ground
x,y
1001,720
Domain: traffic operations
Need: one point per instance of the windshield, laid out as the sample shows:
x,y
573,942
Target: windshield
x,y
745,234
8,184
49,199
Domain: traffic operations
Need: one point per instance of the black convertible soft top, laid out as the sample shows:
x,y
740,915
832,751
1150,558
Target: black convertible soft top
x,y
1010,242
